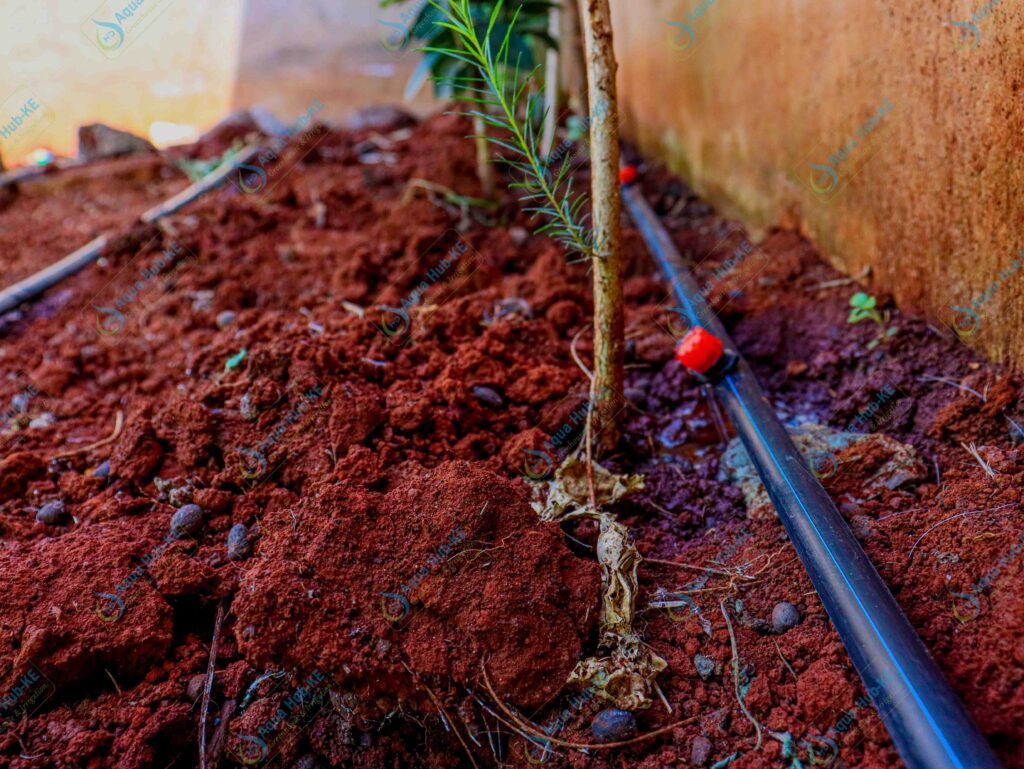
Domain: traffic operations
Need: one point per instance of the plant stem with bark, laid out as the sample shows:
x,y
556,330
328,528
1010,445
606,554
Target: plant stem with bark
x,y
484,168
609,324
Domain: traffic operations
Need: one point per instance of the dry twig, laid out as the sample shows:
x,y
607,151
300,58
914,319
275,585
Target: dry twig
x,y
118,426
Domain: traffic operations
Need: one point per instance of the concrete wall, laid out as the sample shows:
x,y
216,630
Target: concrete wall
x,y
346,53
887,133
168,77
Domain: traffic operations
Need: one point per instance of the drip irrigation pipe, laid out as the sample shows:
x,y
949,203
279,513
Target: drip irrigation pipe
x,y
927,723
50,276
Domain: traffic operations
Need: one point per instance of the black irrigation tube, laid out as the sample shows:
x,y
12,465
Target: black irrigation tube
x,y
50,276
928,724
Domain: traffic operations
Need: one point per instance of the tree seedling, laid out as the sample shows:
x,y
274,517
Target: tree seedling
x,y
864,308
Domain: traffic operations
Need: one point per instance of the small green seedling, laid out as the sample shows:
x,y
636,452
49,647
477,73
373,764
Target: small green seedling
x,y
864,308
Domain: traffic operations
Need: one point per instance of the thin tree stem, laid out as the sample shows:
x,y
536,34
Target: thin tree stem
x,y
609,324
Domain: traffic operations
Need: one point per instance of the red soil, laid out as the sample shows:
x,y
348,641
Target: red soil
x,y
377,455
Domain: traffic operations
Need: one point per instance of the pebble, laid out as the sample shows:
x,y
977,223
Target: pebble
x,y
196,684
248,409
225,318
53,513
700,751
103,471
488,397
612,725
43,420
519,235
705,666
785,616
239,546
187,521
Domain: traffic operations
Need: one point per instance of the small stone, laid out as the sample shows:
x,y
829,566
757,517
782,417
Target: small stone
x,y
225,319
43,420
519,235
196,684
53,513
187,521
181,495
488,397
700,751
705,666
248,408
239,546
97,141
612,725
103,471
785,616
20,402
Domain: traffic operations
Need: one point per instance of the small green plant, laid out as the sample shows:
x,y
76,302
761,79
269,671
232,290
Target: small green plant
x,y
197,168
864,308
501,90
525,30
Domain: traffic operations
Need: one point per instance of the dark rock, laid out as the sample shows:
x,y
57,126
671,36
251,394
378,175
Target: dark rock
x,y
380,117
785,616
488,397
99,141
187,521
613,725
53,513
239,545
705,666
225,318
700,751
